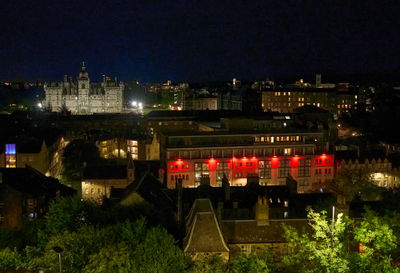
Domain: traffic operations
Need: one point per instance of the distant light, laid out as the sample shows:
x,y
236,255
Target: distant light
x,y
134,103
39,105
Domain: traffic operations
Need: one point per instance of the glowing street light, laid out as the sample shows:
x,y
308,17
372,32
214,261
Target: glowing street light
x,y
134,103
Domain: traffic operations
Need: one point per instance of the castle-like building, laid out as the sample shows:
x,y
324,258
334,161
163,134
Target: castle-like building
x,y
82,97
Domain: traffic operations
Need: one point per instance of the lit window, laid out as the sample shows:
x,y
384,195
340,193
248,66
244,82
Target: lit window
x,y
287,151
285,214
11,158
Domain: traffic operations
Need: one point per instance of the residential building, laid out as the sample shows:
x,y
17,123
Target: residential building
x,y
25,194
25,151
98,181
380,170
286,100
203,233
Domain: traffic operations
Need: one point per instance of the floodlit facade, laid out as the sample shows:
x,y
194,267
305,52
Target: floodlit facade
x,y
83,97
270,158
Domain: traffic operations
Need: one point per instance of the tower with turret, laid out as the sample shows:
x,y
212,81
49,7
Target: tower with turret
x,y
82,97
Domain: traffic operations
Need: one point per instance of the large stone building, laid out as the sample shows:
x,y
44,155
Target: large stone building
x,y
82,97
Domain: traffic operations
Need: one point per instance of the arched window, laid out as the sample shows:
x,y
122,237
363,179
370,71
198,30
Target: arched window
x,y
83,86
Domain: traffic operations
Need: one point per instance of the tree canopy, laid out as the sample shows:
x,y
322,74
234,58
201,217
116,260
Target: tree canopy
x,y
343,245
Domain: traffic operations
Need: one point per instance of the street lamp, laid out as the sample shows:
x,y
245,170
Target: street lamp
x,y
58,249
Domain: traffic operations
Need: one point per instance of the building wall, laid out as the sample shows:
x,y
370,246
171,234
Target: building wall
x,y
38,161
79,98
96,189
312,172
204,104
10,207
277,250
119,148
270,157
56,165
287,101
153,149
380,171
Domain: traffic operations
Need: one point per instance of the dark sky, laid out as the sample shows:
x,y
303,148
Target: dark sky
x,y
197,40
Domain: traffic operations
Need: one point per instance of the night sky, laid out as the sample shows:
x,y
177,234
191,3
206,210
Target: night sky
x,y
197,40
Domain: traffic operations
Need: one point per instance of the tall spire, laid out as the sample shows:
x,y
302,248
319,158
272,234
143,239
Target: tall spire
x,y
83,66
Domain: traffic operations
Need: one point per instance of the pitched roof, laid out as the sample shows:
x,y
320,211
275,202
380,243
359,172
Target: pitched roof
x,y
149,188
32,182
248,231
204,233
105,172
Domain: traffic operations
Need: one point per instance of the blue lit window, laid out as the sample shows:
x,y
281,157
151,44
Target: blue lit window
x,y
10,149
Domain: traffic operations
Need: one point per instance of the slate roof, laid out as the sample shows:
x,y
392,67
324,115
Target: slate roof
x,y
149,188
105,172
246,197
247,231
32,182
203,231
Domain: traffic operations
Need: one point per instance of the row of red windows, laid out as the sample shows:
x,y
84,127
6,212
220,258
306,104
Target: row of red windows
x,y
239,163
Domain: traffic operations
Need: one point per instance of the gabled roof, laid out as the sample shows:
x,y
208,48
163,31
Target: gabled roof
x,y
203,231
149,188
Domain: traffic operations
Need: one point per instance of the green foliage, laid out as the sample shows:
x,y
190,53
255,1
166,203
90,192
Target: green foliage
x,y
254,263
9,259
70,213
353,183
113,258
378,242
141,249
19,238
208,264
324,251
334,248
124,247
77,154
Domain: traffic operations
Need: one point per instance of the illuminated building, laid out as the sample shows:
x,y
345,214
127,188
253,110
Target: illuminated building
x,y
25,152
98,181
380,171
272,158
133,148
83,97
201,103
286,100
11,156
